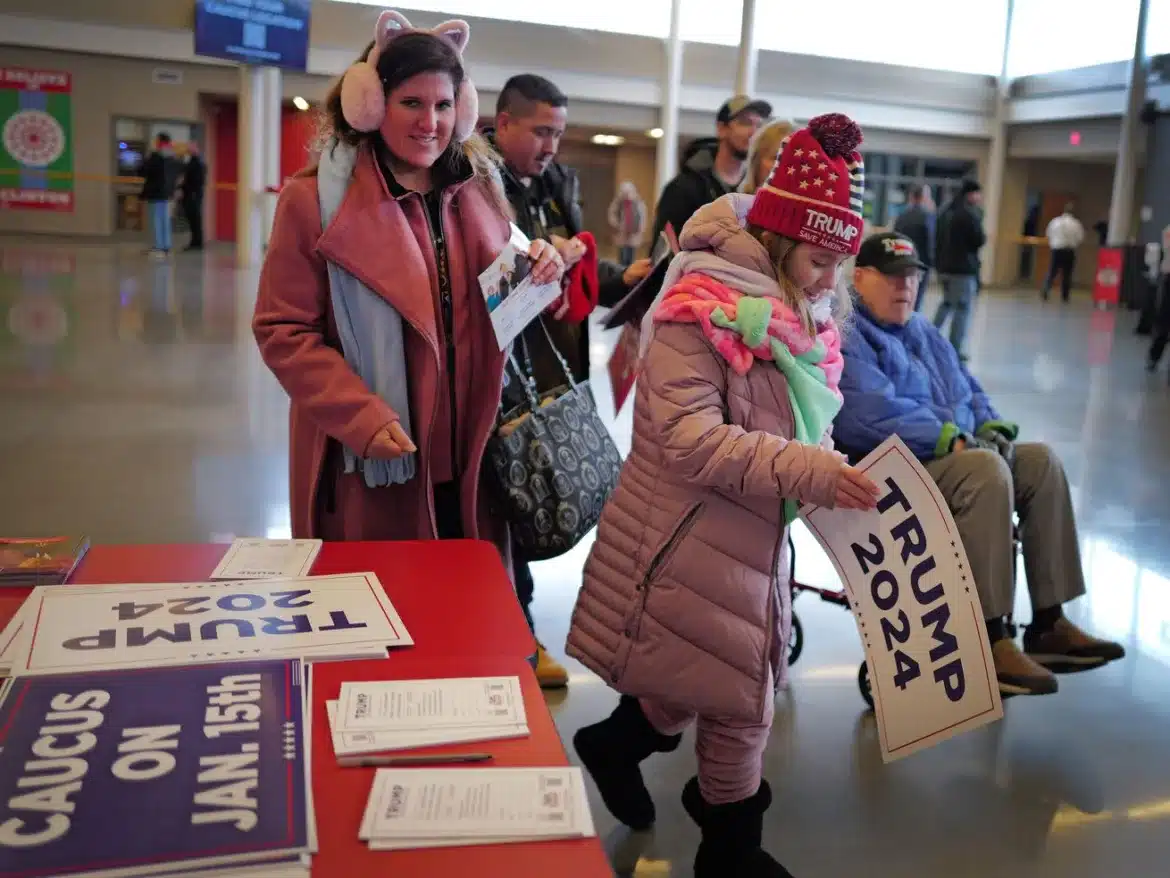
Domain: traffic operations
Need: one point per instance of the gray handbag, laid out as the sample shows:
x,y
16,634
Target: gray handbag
x,y
556,466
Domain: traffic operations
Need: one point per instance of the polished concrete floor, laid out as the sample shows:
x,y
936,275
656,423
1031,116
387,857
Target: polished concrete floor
x,y
134,408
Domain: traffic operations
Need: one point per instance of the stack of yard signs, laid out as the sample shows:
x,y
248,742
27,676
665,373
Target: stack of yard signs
x,y
66,629
199,770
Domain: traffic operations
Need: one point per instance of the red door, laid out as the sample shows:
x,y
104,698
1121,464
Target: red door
x,y
296,136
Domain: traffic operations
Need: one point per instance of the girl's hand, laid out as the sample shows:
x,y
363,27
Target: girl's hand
x,y
855,490
390,442
547,265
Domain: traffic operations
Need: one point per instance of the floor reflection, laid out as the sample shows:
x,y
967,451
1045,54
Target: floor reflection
x,y
136,408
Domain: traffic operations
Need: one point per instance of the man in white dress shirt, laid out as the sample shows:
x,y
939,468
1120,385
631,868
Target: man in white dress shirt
x,y
1065,234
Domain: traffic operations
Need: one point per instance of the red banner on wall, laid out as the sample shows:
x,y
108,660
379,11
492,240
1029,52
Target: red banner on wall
x,y
1107,282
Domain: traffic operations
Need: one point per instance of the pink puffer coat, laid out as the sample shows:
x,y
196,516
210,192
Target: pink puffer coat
x,y
686,597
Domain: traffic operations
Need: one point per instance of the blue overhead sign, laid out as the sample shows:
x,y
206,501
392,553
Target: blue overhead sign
x,y
274,33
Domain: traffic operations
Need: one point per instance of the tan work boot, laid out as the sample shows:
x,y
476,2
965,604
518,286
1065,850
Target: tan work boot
x,y
550,673
1065,648
1018,674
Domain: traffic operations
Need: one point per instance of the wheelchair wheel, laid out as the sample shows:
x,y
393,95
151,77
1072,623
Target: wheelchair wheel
x,y
795,640
863,684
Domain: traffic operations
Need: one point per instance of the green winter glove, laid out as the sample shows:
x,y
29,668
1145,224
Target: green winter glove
x,y
990,429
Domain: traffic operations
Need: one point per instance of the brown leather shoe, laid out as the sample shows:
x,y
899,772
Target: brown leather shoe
x,y
1065,648
1018,674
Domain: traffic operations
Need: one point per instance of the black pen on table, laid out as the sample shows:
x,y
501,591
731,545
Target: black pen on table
x,y
417,761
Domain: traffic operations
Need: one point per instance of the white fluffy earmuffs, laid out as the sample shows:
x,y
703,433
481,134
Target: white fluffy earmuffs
x,y
363,100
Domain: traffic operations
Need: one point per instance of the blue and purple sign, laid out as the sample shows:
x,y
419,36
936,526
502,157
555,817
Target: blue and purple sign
x,y
272,33
121,770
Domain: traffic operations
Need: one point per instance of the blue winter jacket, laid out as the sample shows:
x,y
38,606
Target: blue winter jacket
x,y
907,380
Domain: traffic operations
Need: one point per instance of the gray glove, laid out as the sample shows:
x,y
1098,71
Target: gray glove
x,y
996,442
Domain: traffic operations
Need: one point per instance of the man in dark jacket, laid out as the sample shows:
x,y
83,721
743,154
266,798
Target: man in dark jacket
x,y
160,173
194,179
916,222
712,167
531,115
959,238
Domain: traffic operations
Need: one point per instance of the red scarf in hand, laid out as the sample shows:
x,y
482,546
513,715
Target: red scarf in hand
x,y
580,285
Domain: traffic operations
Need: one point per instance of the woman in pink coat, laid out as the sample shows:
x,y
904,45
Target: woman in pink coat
x,y
369,310
685,607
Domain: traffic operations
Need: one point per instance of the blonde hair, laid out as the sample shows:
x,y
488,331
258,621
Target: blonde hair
x,y
779,250
765,142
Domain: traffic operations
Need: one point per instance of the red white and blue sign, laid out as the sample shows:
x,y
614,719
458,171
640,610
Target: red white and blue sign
x,y
121,771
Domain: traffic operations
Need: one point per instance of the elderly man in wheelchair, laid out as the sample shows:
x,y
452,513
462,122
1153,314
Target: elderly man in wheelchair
x,y
901,376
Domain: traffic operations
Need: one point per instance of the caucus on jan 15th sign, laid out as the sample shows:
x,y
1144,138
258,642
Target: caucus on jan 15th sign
x,y
126,770
917,610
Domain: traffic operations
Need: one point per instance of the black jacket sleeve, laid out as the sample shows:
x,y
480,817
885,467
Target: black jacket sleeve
x,y
676,205
611,289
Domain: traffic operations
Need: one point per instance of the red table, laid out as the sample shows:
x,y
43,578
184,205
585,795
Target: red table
x,y
340,793
455,596
457,601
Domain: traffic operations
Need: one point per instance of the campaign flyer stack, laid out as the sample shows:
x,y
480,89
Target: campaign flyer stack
x,y
453,807
185,771
67,629
377,716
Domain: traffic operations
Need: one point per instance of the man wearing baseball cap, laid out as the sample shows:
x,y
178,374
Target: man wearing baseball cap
x,y
903,377
712,167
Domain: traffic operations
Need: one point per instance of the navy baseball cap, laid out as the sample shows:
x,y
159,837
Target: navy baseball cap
x,y
889,253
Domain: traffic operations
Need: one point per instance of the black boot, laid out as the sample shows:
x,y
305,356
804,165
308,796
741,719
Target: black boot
x,y
611,751
732,835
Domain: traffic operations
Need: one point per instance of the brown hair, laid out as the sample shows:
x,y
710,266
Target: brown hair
x,y
779,249
408,56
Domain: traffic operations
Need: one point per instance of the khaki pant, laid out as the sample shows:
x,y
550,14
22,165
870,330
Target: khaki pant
x,y
983,492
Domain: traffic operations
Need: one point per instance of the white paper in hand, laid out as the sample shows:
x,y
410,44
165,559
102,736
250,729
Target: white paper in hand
x,y
918,612
267,559
513,301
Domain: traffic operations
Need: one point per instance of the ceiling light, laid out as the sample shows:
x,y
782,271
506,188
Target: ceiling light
x,y
300,103
656,133
608,139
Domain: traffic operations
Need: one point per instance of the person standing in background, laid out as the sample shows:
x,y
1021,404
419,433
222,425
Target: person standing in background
x,y
1065,233
1161,307
531,116
191,192
627,219
916,222
958,240
712,167
160,173
762,154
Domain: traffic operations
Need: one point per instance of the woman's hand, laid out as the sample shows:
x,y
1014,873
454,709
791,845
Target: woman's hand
x,y
572,250
547,265
855,490
390,442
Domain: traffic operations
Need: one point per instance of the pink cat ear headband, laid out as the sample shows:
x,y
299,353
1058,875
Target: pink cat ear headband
x,y
363,100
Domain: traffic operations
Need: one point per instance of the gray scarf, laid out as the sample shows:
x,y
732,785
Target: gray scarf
x,y
369,326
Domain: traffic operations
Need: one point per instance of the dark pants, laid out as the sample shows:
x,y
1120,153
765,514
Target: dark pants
x,y
626,255
524,584
193,211
1161,322
923,282
1063,260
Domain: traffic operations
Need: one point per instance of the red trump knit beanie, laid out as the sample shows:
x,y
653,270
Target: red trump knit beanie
x,y
814,191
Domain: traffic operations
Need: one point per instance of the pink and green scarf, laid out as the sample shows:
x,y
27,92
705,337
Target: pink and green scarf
x,y
745,328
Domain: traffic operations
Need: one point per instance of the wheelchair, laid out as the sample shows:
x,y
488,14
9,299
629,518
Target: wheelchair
x,y
839,598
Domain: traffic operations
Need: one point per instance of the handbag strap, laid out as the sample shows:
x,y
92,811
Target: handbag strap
x,y
560,359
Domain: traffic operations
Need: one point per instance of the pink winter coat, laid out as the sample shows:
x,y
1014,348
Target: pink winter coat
x,y
385,242
686,597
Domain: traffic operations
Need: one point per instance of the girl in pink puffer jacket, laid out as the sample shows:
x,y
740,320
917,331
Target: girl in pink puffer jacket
x,y
685,607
